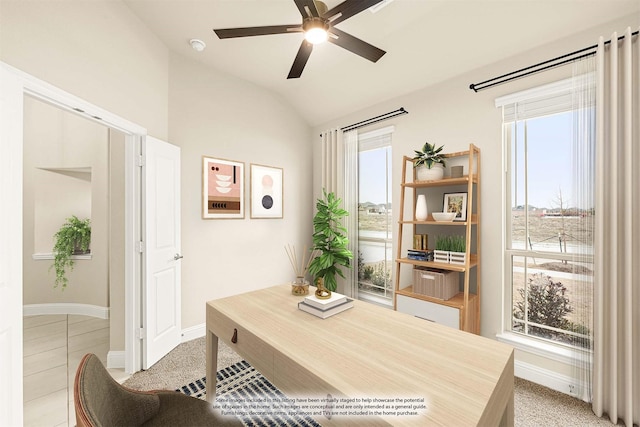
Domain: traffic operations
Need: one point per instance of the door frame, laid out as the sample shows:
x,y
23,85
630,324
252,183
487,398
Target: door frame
x,y
27,84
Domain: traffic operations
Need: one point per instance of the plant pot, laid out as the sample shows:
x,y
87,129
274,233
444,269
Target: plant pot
x,y
77,250
441,256
425,174
458,258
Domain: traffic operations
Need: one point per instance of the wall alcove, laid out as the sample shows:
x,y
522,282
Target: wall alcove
x,y
63,190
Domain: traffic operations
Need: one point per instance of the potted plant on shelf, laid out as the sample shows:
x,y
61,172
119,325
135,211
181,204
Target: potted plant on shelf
x,y
441,252
73,238
457,250
330,240
429,162
450,250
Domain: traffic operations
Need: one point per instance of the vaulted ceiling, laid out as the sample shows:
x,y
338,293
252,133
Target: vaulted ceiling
x,y
427,41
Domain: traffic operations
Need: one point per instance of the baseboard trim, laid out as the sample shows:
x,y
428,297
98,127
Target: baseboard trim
x,y
550,379
66,308
115,359
194,332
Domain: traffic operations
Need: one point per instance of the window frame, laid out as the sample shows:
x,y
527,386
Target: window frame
x,y
370,141
549,99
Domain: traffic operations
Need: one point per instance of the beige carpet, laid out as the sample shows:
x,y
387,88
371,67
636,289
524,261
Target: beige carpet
x,y
184,364
535,405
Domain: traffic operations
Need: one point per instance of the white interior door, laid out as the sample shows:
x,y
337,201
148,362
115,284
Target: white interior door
x,y
11,98
161,249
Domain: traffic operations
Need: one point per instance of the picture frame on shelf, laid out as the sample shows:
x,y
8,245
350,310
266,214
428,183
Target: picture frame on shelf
x,y
267,196
222,189
456,202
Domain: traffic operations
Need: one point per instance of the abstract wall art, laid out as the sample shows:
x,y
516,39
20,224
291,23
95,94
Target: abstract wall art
x,y
222,188
266,191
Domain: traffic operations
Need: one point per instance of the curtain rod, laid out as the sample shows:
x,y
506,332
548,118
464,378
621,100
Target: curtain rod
x,y
400,111
523,72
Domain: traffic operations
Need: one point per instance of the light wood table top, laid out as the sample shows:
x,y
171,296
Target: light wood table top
x,y
367,352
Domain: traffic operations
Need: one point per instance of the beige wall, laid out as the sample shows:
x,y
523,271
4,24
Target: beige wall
x,y
452,115
220,116
96,50
56,139
116,238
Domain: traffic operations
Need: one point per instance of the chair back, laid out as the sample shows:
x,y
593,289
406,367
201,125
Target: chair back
x,y
99,400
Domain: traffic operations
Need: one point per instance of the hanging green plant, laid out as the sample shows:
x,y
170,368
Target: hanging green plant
x,y
72,238
329,237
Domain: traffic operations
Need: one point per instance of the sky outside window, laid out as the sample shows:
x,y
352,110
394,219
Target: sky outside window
x,y
550,161
373,167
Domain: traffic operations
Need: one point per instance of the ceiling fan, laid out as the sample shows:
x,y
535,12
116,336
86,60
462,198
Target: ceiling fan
x,y
318,24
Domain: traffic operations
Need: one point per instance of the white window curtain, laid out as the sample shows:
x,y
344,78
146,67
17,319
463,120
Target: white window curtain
x,y
616,372
583,94
332,174
340,176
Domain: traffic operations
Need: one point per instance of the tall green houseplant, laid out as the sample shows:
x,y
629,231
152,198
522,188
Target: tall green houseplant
x,y
73,237
329,237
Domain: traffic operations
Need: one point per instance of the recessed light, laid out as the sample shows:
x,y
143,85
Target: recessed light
x,y
197,45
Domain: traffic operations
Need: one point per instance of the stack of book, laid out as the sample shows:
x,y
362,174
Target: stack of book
x,y
420,255
324,308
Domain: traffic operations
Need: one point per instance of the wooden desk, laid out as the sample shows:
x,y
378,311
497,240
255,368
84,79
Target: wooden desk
x,y
366,352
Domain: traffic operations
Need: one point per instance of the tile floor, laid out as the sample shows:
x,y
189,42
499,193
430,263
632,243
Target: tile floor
x,y
53,348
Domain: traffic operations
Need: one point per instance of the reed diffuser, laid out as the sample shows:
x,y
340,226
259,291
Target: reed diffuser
x,y
300,285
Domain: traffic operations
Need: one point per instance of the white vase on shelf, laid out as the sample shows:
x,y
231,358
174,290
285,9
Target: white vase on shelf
x,y
421,208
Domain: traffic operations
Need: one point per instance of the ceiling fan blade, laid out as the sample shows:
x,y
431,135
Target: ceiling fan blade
x,y
355,45
309,4
228,33
301,60
347,9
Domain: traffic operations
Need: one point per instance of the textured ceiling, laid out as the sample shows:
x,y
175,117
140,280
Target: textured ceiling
x,y
427,41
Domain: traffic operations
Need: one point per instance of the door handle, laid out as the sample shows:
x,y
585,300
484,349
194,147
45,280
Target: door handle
x,y
177,257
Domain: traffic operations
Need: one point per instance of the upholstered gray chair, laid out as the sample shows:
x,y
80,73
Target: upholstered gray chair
x,y
100,401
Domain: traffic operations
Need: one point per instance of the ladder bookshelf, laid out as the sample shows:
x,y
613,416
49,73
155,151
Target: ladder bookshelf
x,y
463,309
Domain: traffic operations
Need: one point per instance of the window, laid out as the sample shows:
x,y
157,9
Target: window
x,y
550,215
375,262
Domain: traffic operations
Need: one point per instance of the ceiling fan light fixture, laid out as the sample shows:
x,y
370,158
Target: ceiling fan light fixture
x,y
315,30
316,35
